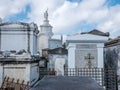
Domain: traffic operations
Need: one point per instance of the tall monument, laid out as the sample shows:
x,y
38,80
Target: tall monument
x,y
45,33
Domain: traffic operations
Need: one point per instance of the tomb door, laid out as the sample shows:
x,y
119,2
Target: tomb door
x,y
59,66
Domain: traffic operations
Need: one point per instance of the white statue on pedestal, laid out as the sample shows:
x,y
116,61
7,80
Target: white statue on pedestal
x,y
46,15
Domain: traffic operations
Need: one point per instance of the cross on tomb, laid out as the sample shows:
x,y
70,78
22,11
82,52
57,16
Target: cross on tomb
x,y
89,58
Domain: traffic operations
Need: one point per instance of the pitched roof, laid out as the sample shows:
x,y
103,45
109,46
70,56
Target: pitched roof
x,y
114,41
96,32
59,50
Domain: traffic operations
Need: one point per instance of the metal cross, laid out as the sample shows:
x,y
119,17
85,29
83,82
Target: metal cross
x,y
89,58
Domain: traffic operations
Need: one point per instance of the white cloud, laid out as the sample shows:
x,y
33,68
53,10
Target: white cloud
x,y
38,7
65,15
72,13
112,21
11,7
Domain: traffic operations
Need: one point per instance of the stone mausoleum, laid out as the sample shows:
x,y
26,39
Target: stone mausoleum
x,y
18,51
85,50
112,56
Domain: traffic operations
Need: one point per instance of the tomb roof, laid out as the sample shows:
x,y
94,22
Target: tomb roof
x,y
96,32
114,41
67,83
58,50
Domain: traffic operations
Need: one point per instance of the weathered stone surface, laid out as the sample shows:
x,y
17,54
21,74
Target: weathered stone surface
x,y
67,83
112,56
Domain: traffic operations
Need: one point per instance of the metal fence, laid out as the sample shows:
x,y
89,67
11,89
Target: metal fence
x,y
12,84
44,72
104,77
95,73
110,79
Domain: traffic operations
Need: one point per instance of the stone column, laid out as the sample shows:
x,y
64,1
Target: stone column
x,y
28,68
1,74
71,56
100,55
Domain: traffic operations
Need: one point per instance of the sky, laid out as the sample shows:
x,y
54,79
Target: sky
x,y
66,16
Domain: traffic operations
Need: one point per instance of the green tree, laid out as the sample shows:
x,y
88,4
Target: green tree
x,y
64,45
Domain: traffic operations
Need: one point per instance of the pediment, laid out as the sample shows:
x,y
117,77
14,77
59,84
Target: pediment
x,y
83,37
14,24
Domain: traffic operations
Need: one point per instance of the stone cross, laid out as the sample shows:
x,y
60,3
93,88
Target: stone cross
x,y
89,59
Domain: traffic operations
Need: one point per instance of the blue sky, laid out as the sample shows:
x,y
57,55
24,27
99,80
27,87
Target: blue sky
x,y
22,16
66,16
113,2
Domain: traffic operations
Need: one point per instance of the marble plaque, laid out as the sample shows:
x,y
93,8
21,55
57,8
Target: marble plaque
x,y
81,55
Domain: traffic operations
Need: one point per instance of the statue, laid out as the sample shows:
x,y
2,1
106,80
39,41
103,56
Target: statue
x,y
46,15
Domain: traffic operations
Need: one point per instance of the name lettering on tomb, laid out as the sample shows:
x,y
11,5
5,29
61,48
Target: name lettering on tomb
x,y
86,46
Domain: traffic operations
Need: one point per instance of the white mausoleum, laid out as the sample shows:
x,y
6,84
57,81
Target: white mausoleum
x,y
85,50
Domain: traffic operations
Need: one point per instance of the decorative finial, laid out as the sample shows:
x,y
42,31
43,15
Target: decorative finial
x,y
46,14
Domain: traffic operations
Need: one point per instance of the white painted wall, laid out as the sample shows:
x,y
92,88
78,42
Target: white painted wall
x,y
43,41
55,44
